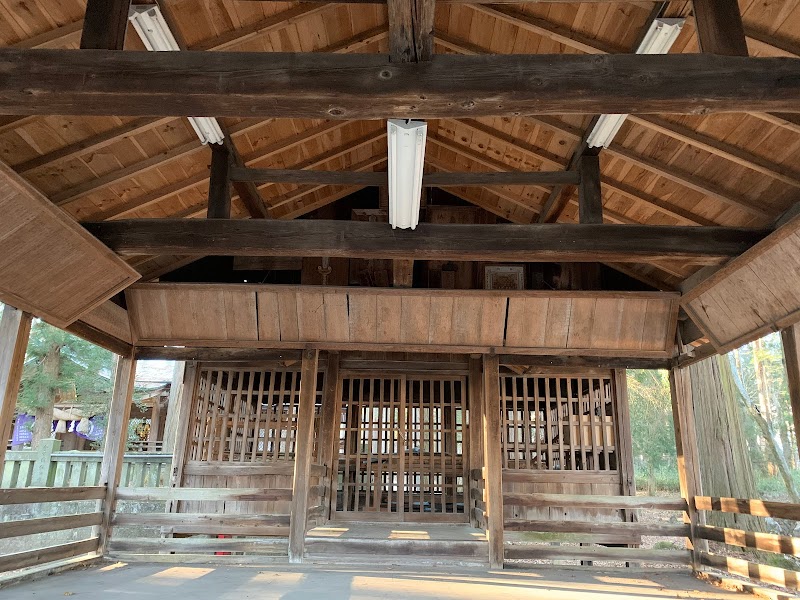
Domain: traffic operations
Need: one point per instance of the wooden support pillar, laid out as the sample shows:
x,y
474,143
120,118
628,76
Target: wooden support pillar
x,y
329,428
172,420
625,445
219,186
791,358
590,201
155,425
688,454
492,460
475,429
182,410
15,328
719,27
105,24
304,449
410,30
403,273
116,440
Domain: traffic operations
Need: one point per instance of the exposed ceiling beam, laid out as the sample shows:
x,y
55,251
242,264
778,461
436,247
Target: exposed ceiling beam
x,y
366,86
354,239
376,178
105,25
410,30
719,27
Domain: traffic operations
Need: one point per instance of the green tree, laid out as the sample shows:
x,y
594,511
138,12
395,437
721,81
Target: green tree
x,y
651,424
57,361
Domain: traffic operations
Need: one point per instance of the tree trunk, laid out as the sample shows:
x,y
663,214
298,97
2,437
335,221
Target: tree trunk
x,y
725,467
761,413
46,395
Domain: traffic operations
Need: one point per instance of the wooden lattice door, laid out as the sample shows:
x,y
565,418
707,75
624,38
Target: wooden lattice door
x,y
402,448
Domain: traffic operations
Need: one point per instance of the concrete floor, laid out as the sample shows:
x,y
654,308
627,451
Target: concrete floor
x,y
284,582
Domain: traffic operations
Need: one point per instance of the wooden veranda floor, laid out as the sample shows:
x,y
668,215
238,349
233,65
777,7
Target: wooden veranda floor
x,y
286,582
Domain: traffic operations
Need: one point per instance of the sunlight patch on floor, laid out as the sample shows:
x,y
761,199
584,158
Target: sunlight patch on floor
x,y
417,534
175,576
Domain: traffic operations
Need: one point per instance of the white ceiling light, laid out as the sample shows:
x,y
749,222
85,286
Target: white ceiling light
x,y
658,40
156,36
406,160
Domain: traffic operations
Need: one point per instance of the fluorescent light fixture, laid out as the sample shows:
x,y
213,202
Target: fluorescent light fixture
x,y
406,160
658,40
156,36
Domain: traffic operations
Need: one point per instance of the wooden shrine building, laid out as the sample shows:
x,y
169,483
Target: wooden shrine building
x,y
600,186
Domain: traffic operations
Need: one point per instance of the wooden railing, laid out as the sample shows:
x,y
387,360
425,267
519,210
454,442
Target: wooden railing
x,y
787,546
47,555
590,540
46,467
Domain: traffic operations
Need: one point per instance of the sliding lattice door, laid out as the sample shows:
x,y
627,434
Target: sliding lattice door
x,y
402,449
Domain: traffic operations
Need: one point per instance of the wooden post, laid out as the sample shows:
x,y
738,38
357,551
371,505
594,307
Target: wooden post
x,y
304,448
183,413
625,445
329,428
105,25
475,429
173,420
791,358
590,200
403,273
15,328
492,460
116,440
688,455
719,27
219,186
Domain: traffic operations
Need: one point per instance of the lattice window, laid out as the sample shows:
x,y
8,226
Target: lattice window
x,y
245,415
558,423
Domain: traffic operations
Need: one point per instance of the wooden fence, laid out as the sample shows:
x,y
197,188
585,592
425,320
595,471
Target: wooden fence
x,y
48,467
85,548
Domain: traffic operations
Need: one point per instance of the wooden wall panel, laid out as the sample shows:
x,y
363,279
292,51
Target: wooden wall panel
x,y
631,324
753,294
49,265
112,319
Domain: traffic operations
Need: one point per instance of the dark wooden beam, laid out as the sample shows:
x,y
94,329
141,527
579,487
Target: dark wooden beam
x,y
593,362
352,239
590,200
410,30
378,179
719,27
216,354
247,191
219,186
105,24
366,86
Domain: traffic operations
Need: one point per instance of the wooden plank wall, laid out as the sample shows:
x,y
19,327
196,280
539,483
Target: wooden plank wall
x,y
49,265
619,323
753,294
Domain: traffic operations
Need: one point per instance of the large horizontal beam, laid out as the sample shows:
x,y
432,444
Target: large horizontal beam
x,y
375,178
367,86
534,243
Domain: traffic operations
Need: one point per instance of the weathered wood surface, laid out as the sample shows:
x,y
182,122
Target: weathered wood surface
x,y
49,265
719,27
531,552
110,319
243,470
15,328
208,494
200,523
258,546
354,239
36,495
590,199
621,528
29,558
769,542
256,84
751,295
630,323
410,30
492,460
315,177
754,571
49,524
790,337
105,24
759,508
219,184
586,501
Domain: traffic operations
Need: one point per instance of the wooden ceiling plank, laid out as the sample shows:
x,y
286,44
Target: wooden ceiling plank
x,y
719,27
55,38
335,86
105,25
357,239
718,148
